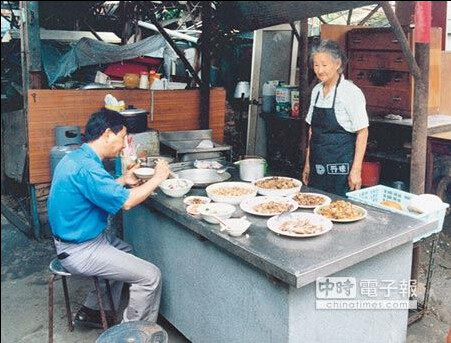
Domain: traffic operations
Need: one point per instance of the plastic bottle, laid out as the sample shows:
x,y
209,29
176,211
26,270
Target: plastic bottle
x,y
144,80
269,96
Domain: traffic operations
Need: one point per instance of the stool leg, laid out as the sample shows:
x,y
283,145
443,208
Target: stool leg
x,y
110,298
99,300
51,279
68,310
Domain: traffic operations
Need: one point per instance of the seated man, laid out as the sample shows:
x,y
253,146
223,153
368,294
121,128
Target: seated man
x,y
82,195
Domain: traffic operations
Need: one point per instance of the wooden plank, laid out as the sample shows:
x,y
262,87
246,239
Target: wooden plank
x,y
435,60
337,33
445,99
173,110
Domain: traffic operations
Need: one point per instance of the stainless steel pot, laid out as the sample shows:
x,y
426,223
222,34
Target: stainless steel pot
x,y
252,168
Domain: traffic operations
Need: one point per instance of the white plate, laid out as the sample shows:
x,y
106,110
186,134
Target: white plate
x,y
249,204
278,192
190,200
275,222
326,201
363,212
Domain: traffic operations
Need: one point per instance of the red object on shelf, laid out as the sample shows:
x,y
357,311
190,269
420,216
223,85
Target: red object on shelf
x,y
133,66
371,172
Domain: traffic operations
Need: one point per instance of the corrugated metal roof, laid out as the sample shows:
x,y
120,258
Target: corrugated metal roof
x,y
253,15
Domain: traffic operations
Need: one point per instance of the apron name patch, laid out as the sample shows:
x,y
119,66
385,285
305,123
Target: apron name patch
x,y
338,169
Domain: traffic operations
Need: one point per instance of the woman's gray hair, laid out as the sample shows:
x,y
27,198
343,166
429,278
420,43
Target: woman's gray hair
x,y
333,49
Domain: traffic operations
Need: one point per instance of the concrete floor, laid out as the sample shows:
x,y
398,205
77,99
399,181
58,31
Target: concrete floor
x,y
24,276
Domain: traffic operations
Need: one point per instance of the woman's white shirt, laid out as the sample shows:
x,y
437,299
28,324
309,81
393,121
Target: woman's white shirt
x,y
350,105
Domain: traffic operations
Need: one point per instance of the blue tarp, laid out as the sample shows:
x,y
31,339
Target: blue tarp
x,y
59,64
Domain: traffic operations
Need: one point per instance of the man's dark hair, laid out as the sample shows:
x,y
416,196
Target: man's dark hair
x,y
100,121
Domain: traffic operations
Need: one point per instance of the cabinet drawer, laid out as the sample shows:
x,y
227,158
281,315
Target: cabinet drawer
x,y
373,39
390,60
390,98
384,78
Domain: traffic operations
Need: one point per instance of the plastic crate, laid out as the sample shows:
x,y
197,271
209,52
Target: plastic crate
x,y
373,196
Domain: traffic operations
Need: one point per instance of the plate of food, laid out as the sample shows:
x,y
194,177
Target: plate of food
x,y
268,206
277,185
311,200
300,225
341,211
231,192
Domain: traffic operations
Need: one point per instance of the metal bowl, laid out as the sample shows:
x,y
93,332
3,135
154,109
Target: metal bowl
x,y
203,177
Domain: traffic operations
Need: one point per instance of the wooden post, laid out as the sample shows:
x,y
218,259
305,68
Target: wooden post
x,y
205,66
31,46
421,96
303,88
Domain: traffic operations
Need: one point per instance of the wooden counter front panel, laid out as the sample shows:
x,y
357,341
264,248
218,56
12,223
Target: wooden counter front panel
x,y
173,110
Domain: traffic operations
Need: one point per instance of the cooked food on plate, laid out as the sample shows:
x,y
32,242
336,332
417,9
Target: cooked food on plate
x,y
341,210
309,199
272,207
276,182
301,226
231,191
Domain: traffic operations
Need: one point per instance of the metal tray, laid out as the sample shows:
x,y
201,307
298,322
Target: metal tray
x,y
203,177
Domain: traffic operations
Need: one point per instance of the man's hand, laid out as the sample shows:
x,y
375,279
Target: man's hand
x,y
129,177
161,170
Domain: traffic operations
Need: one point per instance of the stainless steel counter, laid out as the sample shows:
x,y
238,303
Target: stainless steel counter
x,y
436,123
299,261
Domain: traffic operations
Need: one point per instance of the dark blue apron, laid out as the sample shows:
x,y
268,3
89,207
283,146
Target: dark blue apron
x,y
331,150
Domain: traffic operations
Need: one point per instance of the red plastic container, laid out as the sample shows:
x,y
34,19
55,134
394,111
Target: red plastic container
x,y
134,66
371,172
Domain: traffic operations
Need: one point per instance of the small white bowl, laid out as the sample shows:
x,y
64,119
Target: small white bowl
x,y
176,188
209,212
235,226
193,210
425,203
196,200
144,173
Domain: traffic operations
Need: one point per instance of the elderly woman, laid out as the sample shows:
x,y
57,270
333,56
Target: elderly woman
x,y
338,125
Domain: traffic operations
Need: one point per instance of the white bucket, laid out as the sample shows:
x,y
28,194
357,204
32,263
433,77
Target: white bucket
x,y
252,169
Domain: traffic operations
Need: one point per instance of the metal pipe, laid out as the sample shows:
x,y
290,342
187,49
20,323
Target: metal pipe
x,y
179,53
172,33
34,213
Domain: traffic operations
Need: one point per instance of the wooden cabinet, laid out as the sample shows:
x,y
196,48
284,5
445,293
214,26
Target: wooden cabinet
x,y
378,66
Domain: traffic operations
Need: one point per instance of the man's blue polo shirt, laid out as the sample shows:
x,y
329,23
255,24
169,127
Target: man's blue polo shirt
x,y
81,196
